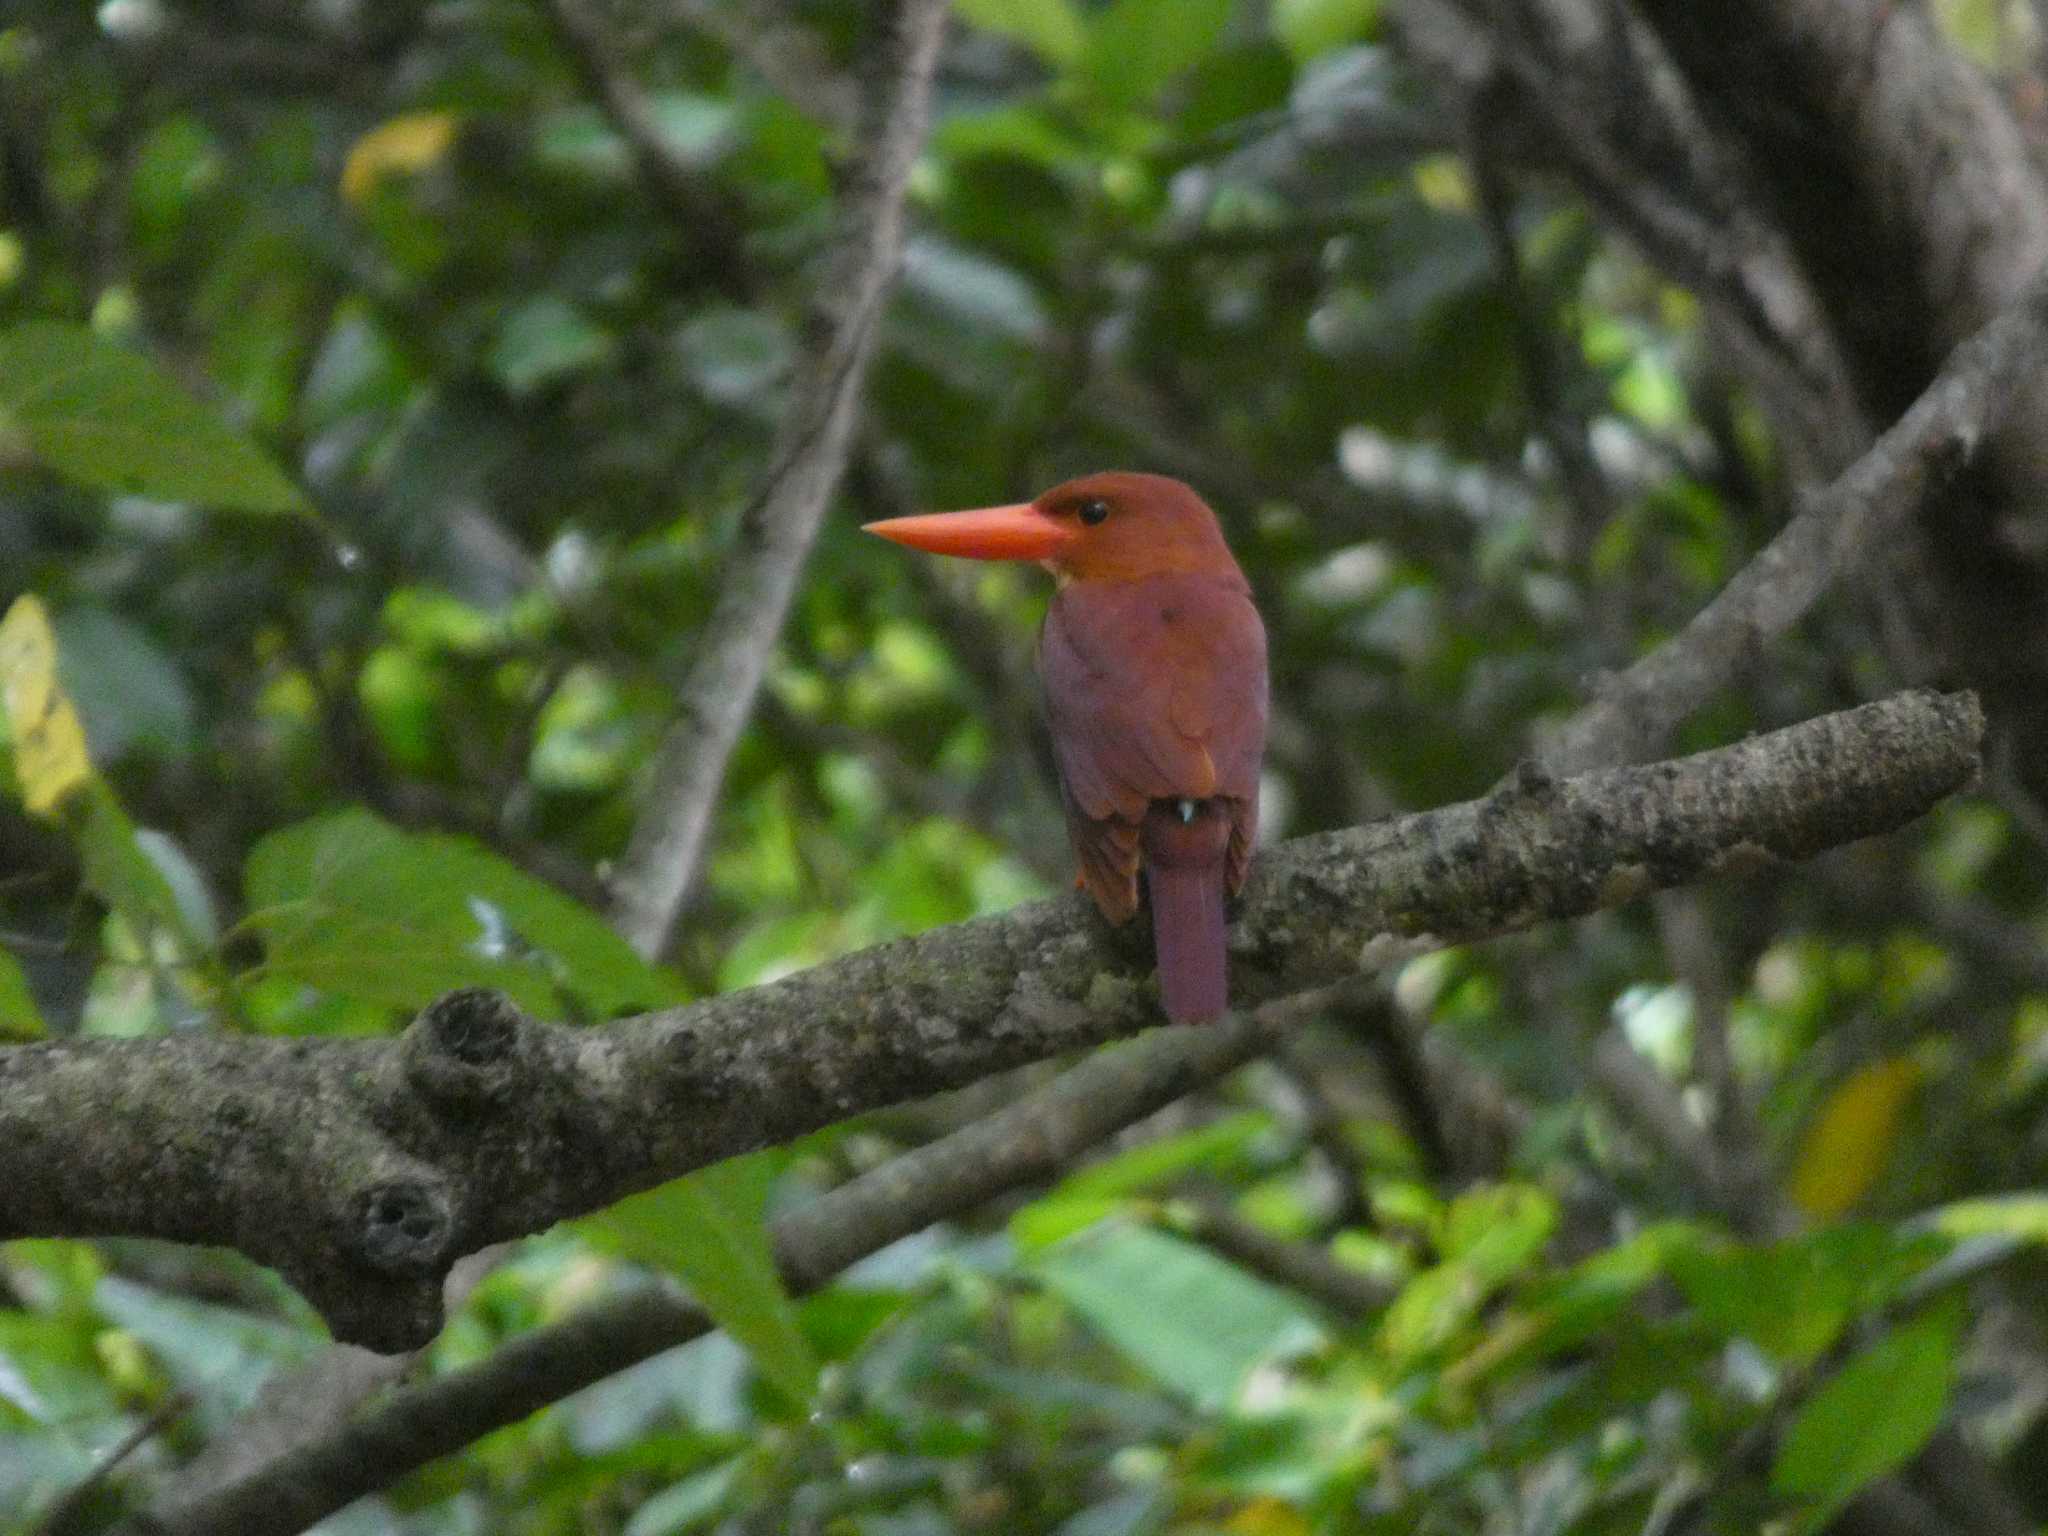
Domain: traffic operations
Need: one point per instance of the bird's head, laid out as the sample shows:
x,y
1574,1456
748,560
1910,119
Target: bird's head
x,y
1114,526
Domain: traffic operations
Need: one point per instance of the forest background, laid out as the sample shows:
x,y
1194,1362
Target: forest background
x,y
433,439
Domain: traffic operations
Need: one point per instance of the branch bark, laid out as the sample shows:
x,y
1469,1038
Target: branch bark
x,y
778,529
363,1168
1033,1139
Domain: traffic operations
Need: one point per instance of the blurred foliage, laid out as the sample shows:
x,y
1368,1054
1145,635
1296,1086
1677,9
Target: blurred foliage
x,y
386,267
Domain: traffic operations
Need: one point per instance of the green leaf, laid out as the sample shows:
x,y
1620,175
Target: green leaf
x,y
126,869
697,129
1212,1146
687,1505
840,1320
128,691
1196,1323
1794,1297
111,419
1137,46
2024,1217
1499,1230
710,1229
19,1018
1045,1223
351,905
734,355
542,340
219,1354
1309,28
1875,1413
1049,28
1489,1236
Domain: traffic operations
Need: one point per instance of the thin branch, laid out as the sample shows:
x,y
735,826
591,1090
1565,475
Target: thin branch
x,y
1633,713
701,213
1304,1267
362,1168
1695,959
1373,1019
1323,1124
777,530
1552,411
1034,1139
69,1513
786,56
1734,1186
1595,106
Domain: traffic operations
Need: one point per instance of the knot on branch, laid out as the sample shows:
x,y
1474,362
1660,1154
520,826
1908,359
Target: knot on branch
x,y
1528,784
468,1048
404,1226
387,1246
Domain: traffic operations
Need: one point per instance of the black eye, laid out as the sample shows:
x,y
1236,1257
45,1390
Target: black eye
x,y
1093,512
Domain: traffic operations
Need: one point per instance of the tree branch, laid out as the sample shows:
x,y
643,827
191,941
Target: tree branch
x,y
1347,1293
698,210
787,56
1033,1139
1634,712
1620,122
363,1168
777,530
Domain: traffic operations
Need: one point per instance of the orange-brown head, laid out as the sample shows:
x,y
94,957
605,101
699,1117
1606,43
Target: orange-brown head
x,y
1114,526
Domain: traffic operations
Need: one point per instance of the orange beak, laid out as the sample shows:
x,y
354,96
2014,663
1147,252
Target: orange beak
x,y
1021,532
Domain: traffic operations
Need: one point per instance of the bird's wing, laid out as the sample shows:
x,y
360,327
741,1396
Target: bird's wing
x,y
1155,690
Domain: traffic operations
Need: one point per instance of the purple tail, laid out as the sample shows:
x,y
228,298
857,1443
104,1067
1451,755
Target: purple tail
x,y
1184,842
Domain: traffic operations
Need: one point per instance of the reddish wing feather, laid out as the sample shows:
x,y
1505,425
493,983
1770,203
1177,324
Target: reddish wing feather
x,y
1155,689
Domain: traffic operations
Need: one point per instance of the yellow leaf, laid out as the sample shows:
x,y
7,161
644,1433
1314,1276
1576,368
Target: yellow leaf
x,y
412,141
1268,1517
49,744
1850,1140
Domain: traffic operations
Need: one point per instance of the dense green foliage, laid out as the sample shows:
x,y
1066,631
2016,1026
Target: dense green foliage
x,y
373,441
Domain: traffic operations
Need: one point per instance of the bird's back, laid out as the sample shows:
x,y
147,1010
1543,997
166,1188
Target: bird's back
x,y
1155,691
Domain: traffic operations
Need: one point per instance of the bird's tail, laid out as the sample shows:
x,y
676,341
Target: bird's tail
x,y
1183,843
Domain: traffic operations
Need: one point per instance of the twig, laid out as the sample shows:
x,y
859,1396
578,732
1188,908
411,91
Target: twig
x,y
1324,1127
1032,1140
67,1515
1553,414
701,213
776,532
1694,958
786,56
1304,1267
1733,1187
1372,1019
1731,1129
304,1405
1729,253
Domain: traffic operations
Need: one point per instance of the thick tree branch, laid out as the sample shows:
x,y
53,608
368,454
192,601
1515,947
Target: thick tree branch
x,y
777,530
1032,1140
364,1168
1634,712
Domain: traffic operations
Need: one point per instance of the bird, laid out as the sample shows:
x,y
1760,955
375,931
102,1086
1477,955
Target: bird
x,y
1152,659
